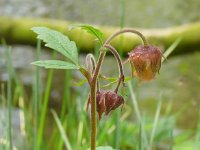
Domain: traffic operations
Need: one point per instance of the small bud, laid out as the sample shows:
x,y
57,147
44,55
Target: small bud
x,y
107,101
146,60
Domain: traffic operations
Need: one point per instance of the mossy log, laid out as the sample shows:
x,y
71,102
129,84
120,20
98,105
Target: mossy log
x,y
17,31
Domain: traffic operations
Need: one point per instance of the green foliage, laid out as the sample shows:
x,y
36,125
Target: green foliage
x,y
58,42
94,31
55,64
62,131
104,148
171,49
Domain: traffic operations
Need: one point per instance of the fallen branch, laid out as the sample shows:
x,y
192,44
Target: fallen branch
x,y
17,31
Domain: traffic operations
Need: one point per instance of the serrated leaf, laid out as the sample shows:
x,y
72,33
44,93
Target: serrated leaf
x,y
58,42
55,64
90,29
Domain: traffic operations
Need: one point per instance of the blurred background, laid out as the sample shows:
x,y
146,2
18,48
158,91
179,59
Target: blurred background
x,y
167,107
143,14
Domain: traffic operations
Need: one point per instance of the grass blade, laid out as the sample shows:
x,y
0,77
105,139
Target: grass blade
x,y
137,112
140,137
66,98
197,137
79,134
9,96
155,122
44,108
171,49
62,132
36,96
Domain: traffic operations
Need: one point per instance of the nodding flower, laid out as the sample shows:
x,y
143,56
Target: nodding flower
x,y
145,61
107,101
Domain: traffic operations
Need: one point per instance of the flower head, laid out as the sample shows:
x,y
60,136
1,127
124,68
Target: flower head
x,y
146,60
107,101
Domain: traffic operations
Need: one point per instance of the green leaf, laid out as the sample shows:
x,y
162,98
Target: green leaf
x,y
55,64
90,29
58,42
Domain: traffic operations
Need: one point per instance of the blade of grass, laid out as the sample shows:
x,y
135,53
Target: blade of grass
x,y
44,108
171,49
60,141
36,96
79,134
62,132
137,112
18,92
140,137
171,137
155,122
66,97
197,136
117,137
3,95
9,96
4,121
83,117
55,135
19,86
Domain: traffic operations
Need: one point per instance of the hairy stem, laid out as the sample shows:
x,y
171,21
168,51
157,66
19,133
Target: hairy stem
x,y
90,60
116,54
93,115
94,80
93,99
124,31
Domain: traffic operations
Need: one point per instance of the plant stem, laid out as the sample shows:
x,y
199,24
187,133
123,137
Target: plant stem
x,y
94,80
93,87
93,115
116,54
127,30
90,60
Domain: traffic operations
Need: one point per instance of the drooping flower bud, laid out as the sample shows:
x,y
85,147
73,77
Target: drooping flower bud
x,y
107,101
146,60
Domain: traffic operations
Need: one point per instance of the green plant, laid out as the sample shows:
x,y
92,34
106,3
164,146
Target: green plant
x,y
146,60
